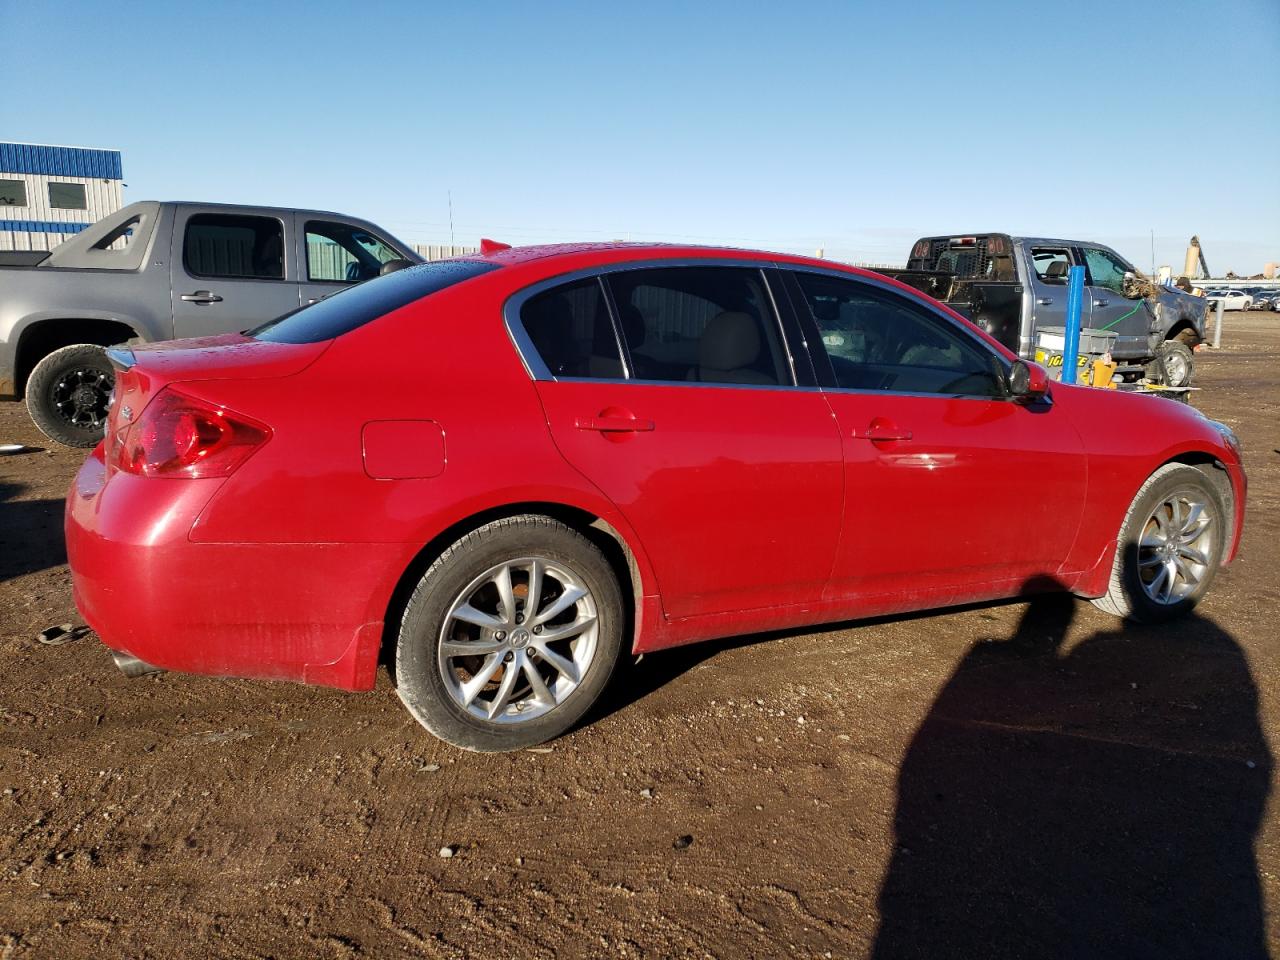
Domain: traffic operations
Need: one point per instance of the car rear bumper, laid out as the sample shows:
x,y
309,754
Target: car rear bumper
x,y
305,612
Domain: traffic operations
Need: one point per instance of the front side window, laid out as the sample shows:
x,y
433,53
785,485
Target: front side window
x,y
1105,270
879,341
700,324
234,245
13,193
344,253
67,196
571,329
1051,265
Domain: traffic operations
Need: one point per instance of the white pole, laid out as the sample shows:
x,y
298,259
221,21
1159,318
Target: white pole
x,y
1217,327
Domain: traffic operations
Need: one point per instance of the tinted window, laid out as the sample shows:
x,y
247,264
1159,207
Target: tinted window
x,y
358,305
571,329
67,196
1105,270
879,341
708,324
231,245
341,252
13,193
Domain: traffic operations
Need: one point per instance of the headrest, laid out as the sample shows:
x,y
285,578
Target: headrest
x,y
1057,270
730,342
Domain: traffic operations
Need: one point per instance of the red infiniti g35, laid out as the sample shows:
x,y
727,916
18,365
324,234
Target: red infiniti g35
x,y
509,469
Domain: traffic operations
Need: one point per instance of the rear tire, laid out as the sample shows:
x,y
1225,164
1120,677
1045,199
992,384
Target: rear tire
x,y
476,660
1170,547
68,392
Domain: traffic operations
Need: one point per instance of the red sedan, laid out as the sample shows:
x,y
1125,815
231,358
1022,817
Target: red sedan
x,y
511,467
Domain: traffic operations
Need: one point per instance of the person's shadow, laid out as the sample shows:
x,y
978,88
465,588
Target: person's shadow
x,y
1100,801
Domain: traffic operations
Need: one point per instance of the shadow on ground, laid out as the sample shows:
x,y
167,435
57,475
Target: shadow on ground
x,y
1098,801
31,537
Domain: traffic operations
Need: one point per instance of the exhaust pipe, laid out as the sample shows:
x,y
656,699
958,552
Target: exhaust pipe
x,y
131,666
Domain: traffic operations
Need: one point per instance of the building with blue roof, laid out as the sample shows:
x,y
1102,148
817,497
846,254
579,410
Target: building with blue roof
x,y
48,193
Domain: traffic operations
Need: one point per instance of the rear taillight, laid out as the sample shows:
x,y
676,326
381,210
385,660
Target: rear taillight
x,y
177,435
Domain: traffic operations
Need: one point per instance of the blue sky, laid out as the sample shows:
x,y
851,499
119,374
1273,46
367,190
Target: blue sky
x,y
848,126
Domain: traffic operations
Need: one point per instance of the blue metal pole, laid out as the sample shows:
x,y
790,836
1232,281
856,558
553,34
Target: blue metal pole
x,y
1075,302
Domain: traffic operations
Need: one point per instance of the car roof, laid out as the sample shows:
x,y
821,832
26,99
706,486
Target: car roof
x,y
614,251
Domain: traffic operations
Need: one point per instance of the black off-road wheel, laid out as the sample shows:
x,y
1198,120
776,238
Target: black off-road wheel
x,y
510,636
68,393
1170,547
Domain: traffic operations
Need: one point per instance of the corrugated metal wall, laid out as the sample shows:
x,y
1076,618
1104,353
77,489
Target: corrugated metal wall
x,y
37,224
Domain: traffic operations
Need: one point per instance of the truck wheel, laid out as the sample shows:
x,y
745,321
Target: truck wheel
x,y
68,392
1177,362
510,635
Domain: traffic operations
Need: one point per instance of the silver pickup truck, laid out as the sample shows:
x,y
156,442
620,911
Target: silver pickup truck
x,y
156,271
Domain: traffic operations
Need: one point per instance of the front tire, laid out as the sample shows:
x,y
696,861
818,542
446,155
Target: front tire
x,y
68,392
1170,547
510,636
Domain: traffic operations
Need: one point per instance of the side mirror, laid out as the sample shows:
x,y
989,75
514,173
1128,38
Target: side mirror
x,y
1028,382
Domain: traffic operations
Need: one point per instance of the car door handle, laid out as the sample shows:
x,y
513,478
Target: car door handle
x,y
1102,303
880,431
201,296
1045,301
616,423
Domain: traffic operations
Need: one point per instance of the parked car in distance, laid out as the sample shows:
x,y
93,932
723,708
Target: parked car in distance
x,y
1263,298
1012,286
1231,300
512,469
155,271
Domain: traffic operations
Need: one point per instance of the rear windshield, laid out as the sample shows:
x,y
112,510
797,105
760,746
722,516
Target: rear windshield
x,y
356,306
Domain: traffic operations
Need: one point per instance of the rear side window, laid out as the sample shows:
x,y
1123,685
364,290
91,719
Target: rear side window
x,y
572,332
231,245
700,324
358,305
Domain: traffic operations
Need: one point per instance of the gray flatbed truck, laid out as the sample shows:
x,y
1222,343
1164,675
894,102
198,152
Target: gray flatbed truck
x,y
1012,286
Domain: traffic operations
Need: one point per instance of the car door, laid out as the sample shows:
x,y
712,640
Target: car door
x,y
729,473
334,254
1108,308
1046,272
229,270
952,490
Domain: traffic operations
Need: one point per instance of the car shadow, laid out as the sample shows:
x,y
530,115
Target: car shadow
x,y
31,537
1097,801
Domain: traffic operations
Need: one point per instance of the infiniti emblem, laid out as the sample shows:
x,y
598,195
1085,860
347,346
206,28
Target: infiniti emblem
x,y
126,413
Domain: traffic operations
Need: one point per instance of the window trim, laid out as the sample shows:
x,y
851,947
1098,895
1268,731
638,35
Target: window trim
x,y
826,373
284,239
538,370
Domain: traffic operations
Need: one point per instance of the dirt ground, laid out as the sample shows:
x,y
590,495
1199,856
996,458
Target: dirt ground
x,y
1025,779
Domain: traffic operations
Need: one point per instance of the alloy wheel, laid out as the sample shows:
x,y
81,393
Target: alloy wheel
x,y
81,397
518,640
1176,548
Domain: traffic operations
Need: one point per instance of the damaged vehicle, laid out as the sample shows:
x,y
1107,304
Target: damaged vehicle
x,y
1012,286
